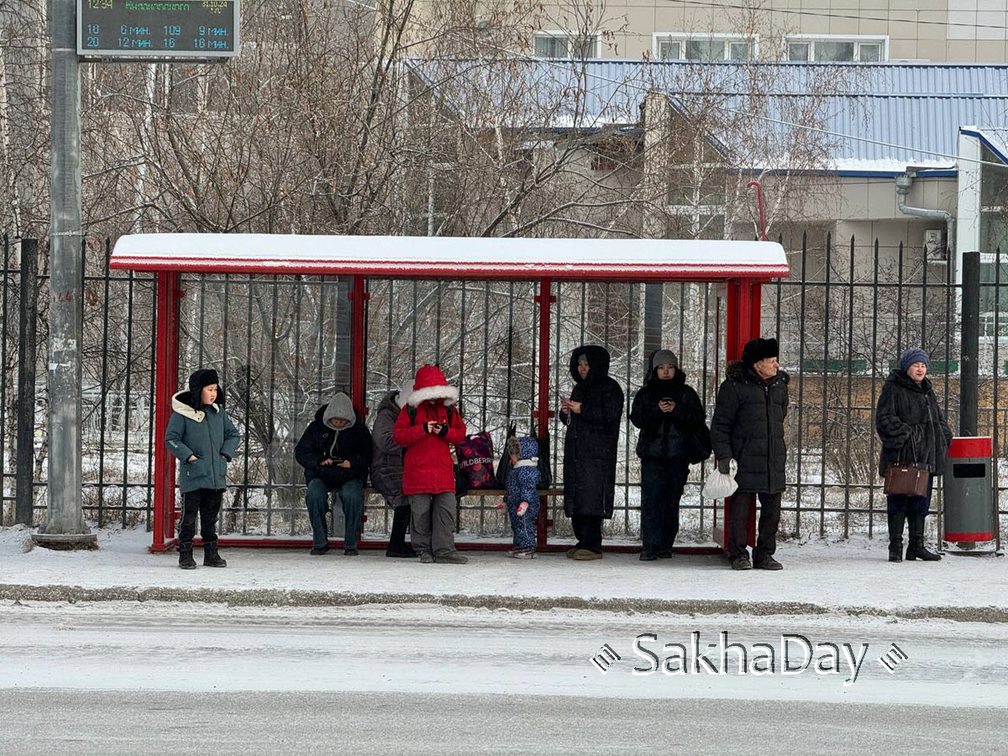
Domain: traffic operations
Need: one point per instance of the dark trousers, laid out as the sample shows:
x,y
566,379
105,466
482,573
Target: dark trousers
x,y
911,505
662,486
588,531
205,502
400,521
351,495
766,530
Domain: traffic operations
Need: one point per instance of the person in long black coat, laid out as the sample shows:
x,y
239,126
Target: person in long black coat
x,y
668,413
592,415
911,428
748,426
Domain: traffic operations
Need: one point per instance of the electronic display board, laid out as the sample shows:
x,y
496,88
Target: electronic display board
x,y
160,29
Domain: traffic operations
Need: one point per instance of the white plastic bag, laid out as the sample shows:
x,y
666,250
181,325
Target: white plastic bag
x,y
719,485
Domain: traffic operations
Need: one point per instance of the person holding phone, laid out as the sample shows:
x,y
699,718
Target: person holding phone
x,y
427,426
668,412
592,415
335,451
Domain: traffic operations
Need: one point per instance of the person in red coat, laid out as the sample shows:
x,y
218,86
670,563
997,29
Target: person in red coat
x,y
426,426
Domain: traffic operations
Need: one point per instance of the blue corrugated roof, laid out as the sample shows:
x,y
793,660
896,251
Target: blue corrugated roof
x,y
875,118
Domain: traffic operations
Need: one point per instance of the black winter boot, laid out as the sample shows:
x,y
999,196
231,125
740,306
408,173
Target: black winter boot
x,y
210,556
916,548
896,521
185,560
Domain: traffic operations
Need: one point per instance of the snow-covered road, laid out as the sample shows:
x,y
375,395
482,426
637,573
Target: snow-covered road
x,y
332,668
416,649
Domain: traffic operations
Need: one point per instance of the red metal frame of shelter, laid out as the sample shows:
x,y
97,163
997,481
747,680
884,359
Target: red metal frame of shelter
x,y
742,265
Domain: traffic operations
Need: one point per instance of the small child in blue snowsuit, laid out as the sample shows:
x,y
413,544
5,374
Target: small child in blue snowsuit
x,y
521,497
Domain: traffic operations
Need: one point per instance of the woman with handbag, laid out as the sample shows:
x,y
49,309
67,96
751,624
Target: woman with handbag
x,y
915,438
671,418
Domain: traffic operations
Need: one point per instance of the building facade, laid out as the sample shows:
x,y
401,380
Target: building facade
x,y
867,31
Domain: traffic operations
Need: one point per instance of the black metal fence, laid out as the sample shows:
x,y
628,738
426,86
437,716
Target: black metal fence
x,y
282,346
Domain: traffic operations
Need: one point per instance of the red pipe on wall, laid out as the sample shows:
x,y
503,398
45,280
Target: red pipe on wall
x,y
760,207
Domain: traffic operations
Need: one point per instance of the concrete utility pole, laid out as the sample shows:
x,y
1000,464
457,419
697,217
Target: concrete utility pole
x,y
64,525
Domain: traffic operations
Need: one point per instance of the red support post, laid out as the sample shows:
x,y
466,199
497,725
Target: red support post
x,y
358,298
543,413
165,378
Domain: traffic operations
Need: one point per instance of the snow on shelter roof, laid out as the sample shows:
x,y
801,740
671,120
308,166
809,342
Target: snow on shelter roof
x,y
452,257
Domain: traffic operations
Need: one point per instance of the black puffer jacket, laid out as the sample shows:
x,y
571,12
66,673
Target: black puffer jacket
x,y
910,424
387,462
592,437
663,435
353,444
748,426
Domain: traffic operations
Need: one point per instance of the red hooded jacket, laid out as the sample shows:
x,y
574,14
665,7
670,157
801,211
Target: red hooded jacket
x,y
427,461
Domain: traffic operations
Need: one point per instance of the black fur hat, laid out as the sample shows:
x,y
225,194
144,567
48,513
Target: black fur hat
x,y
759,349
199,379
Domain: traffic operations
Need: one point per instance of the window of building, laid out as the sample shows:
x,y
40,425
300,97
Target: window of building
x,y
560,44
830,49
705,48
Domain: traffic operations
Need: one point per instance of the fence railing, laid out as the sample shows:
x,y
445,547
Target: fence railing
x,y
282,346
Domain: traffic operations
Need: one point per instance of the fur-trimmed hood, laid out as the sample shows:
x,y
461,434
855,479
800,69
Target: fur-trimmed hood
x,y
180,404
430,383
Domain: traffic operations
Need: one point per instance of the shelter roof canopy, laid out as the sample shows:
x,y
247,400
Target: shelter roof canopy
x,y
474,258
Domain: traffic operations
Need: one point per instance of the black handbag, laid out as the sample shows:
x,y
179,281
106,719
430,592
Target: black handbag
x,y
504,465
545,468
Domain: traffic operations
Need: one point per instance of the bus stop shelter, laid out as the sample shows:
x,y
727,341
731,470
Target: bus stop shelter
x,y
743,266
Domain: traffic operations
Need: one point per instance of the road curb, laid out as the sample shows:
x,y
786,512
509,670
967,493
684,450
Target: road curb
x,y
280,597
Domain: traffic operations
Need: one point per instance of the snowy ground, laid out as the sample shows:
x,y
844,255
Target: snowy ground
x,y
818,577
285,653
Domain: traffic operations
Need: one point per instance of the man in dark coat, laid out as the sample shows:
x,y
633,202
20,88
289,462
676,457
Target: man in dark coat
x,y
592,415
912,428
669,413
748,426
335,452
